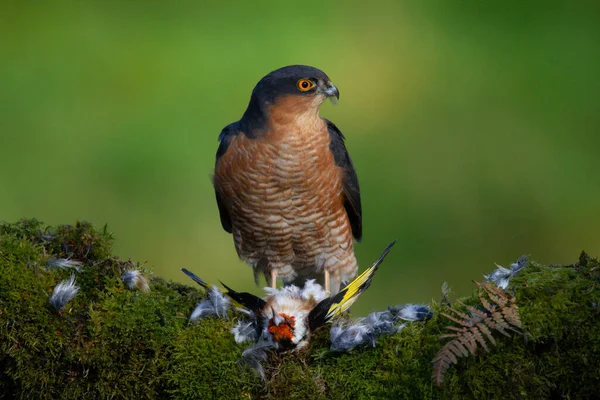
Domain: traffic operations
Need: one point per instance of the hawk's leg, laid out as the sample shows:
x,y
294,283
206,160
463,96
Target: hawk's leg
x,y
327,283
262,266
332,282
274,278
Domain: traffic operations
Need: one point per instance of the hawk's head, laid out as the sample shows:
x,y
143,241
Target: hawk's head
x,y
295,80
295,90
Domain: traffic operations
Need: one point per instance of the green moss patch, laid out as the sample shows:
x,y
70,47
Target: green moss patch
x,y
113,342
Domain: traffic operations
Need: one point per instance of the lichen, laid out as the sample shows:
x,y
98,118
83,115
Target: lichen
x,y
114,342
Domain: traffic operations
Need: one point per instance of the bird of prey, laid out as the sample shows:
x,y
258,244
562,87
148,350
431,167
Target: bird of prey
x,y
285,185
287,317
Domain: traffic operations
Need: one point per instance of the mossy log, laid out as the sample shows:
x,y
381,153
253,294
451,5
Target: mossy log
x,y
113,342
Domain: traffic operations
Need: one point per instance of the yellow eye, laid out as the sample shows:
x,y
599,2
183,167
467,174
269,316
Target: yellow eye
x,y
305,85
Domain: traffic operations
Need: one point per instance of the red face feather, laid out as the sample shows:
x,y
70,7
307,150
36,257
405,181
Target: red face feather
x,y
283,331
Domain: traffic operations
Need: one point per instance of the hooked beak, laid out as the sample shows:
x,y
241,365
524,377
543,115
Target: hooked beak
x,y
329,90
332,91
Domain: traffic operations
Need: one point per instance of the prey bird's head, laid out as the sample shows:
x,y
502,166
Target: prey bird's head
x,y
297,89
281,327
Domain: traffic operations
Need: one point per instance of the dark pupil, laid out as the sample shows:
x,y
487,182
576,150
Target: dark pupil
x,y
304,85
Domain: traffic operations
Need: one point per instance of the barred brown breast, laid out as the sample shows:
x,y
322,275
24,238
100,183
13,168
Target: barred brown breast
x,y
283,195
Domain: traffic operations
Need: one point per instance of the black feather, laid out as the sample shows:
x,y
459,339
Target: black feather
x,y
228,133
225,138
196,278
350,185
318,315
223,213
248,300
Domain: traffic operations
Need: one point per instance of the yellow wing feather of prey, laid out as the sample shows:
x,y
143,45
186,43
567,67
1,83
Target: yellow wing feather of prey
x,y
352,291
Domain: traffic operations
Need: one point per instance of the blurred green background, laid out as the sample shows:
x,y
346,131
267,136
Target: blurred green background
x,y
474,126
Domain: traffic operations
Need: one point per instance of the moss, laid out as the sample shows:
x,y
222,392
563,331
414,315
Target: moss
x,y
114,342
204,363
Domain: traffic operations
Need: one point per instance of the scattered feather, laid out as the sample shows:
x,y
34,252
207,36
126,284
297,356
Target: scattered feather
x,y
501,276
63,293
520,263
134,279
244,331
310,290
48,237
64,263
255,355
346,336
217,304
412,312
445,292
381,323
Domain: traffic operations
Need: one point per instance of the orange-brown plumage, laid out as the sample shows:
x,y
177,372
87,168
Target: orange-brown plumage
x,y
284,330
284,194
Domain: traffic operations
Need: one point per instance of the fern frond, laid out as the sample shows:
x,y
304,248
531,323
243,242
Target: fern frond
x,y
488,333
498,323
497,295
463,322
462,315
476,330
512,316
479,338
477,312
